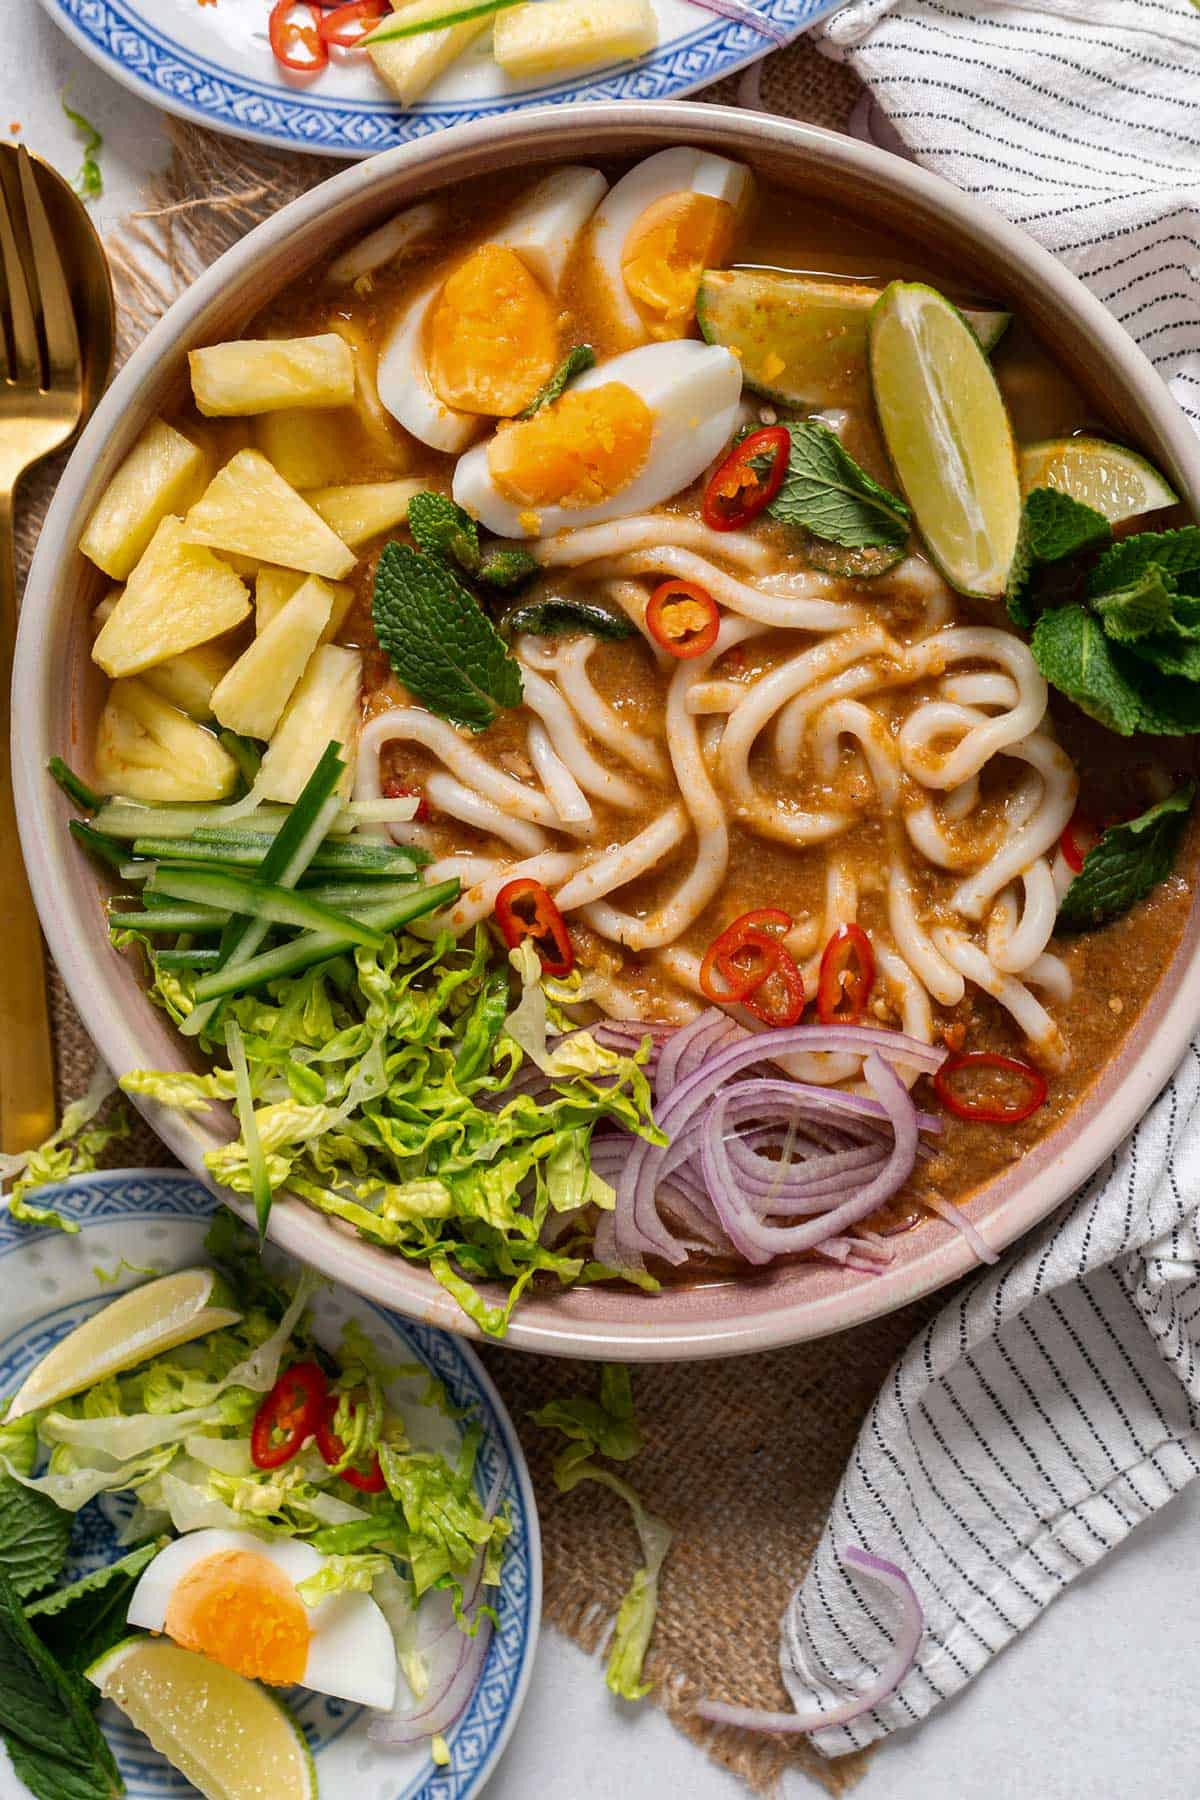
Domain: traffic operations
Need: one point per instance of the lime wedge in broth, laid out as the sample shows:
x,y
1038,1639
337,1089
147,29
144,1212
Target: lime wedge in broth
x,y
1117,482
231,1738
142,1323
801,339
948,433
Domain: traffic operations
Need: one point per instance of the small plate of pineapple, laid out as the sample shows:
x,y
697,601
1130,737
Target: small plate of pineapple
x,y
470,59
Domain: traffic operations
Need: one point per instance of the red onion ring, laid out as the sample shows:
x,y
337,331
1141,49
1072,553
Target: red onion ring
x,y
896,1666
743,14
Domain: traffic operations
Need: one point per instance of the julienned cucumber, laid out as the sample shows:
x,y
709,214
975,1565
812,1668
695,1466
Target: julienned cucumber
x,y
318,946
259,900
294,846
802,341
169,920
432,18
336,854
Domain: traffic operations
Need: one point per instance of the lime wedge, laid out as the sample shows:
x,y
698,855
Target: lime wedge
x,y
231,1738
140,1324
1117,482
948,433
801,339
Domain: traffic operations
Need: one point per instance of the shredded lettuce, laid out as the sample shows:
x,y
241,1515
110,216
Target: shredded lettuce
x,y
343,1575
376,1088
71,1150
608,1427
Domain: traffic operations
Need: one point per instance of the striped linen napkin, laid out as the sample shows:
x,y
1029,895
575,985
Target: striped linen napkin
x,y
1055,1403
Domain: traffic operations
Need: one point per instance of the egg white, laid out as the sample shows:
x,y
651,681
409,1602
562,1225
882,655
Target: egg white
x,y
351,1653
541,230
677,171
693,391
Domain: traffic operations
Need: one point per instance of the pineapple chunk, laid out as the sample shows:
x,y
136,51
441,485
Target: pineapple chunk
x,y
179,595
308,446
324,708
275,587
249,508
259,375
251,698
386,440
163,473
188,681
363,511
149,750
548,35
410,65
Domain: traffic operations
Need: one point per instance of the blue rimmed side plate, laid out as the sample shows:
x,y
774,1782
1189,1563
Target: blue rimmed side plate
x,y
213,65
158,1218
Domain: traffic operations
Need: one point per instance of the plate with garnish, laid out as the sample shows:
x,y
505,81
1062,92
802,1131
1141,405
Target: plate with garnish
x,y
302,75
257,1535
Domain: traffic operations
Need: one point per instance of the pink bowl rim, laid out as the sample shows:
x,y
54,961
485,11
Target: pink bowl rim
x,y
701,1322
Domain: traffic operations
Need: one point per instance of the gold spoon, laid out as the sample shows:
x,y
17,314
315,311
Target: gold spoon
x,y
56,355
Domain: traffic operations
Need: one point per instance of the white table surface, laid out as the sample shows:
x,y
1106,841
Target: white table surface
x,y
1096,1702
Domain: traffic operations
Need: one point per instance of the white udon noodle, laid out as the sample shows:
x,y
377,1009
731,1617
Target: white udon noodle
x,y
957,713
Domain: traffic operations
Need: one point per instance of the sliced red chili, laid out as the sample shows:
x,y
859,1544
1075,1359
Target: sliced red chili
x,y
294,29
394,789
986,1110
525,910
290,1414
333,1450
748,479
1080,834
347,26
779,1000
682,618
838,984
743,955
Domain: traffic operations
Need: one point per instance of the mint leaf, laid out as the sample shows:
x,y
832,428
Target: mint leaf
x,y
507,568
826,490
52,1738
440,527
1145,608
1053,528
577,361
1128,861
439,641
549,618
1111,684
33,1530
81,1622
1174,552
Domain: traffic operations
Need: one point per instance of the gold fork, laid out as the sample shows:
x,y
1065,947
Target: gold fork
x,y
41,402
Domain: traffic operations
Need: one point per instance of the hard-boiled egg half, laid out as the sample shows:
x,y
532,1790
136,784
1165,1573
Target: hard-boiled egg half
x,y
231,1596
665,222
481,340
624,437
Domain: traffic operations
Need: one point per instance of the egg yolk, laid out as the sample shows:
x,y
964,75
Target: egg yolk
x,y
242,1611
581,450
491,335
667,252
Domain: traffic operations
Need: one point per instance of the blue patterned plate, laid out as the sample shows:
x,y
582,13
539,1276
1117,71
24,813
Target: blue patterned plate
x,y
213,64
157,1217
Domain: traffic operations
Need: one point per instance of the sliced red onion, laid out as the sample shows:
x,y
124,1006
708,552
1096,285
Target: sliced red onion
x,y
896,1666
954,1215
686,1049
437,1711
743,14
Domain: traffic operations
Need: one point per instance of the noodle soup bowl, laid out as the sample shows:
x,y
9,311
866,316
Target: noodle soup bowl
x,y
57,697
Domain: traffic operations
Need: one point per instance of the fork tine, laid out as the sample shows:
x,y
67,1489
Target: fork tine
x,y
26,368
58,312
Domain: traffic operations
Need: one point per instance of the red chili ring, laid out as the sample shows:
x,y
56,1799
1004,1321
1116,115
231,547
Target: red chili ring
x,y
737,492
524,909
294,1407
694,629
847,941
984,1112
284,32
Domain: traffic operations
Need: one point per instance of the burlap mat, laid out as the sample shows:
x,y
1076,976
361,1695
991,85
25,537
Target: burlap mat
x,y
743,1457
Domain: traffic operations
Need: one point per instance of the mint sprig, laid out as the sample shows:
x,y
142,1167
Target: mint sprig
x,y
1128,861
1054,527
54,1742
33,1530
83,1621
439,640
578,360
550,618
1108,682
440,527
833,496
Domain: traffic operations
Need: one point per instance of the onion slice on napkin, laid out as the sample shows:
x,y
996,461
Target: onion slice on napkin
x,y
896,1667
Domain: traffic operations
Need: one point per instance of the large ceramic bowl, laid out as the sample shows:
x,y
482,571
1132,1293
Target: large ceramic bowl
x,y
57,693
